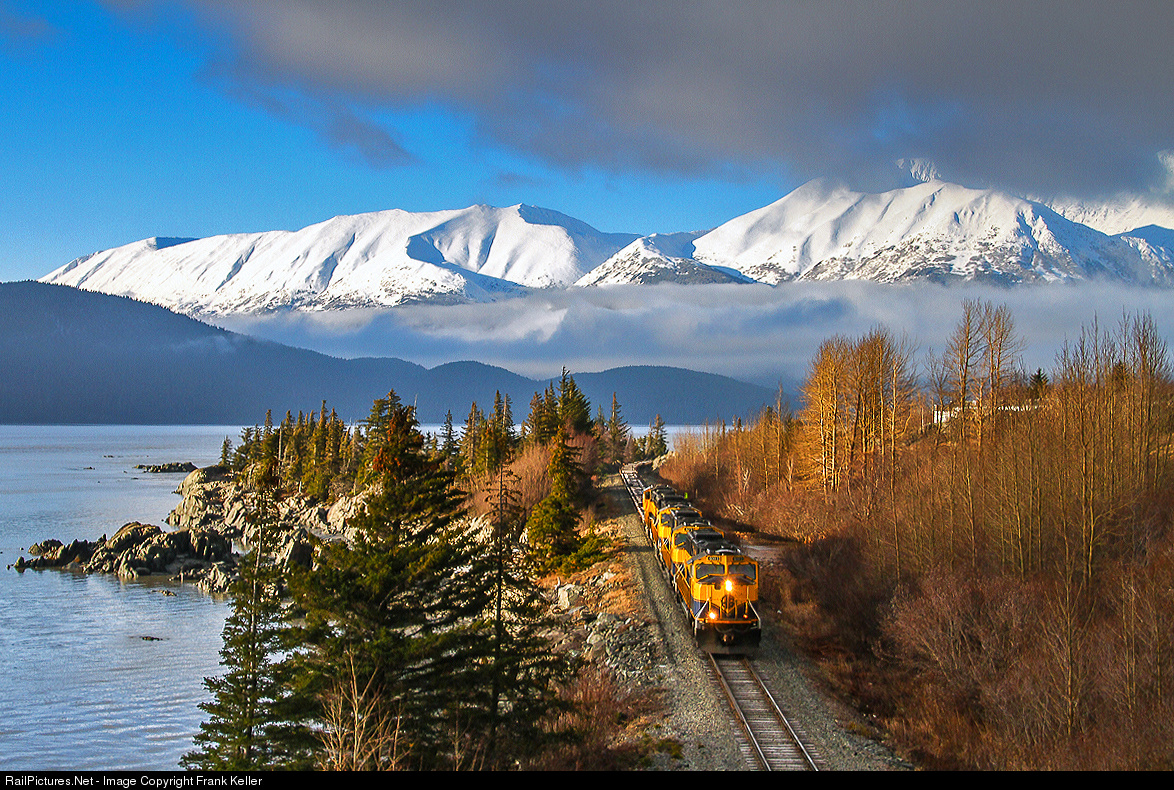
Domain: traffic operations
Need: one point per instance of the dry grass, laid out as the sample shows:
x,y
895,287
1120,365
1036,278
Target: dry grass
x,y
591,735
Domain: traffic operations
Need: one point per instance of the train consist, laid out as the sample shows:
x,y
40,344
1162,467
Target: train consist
x,y
716,584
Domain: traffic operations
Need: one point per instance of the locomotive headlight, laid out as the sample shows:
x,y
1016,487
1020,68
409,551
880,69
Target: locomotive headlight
x,y
729,585
712,615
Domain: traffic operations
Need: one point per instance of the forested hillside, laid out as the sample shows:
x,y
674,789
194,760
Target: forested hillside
x,y
421,639
984,555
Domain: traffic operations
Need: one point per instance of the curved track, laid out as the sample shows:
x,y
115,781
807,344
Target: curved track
x,y
773,742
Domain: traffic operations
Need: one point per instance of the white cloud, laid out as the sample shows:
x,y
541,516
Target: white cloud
x,y
752,333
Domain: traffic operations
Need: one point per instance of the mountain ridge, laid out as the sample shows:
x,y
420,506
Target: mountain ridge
x,y
930,230
380,259
75,356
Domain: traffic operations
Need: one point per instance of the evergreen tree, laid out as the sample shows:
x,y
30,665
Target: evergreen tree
x,y
657,440
472,442
615,434
567,477
573,408
247,729
317,474
449,449
498,437
542,423
524,669
1037,386
551,531
399,612
551,528
375,427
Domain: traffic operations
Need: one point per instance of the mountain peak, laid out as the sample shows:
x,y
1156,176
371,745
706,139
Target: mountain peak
x,y
381,258
918,170
823,230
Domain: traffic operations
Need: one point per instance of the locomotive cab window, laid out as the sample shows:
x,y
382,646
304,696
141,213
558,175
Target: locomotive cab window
x,y
708,569
745,572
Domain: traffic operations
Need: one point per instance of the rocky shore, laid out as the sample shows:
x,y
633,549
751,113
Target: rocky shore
x,y
212,518
200,555
210,497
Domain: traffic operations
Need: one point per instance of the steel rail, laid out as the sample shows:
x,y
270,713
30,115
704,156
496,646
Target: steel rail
x,y
773,740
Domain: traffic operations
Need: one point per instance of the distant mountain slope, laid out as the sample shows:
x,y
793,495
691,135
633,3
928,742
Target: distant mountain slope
x,y
929,231
1118,215
79,357
72,356
644,390
383,258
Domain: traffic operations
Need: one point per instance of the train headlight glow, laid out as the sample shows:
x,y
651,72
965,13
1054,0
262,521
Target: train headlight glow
x,y
729,585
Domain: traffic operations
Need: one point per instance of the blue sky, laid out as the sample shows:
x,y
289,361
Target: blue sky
x,y
134,118
114,132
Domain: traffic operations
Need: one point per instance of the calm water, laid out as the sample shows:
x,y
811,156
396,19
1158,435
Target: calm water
x,y
80,689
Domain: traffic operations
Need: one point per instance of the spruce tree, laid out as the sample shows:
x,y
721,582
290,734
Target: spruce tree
x,y
449,450
248,728
616,434
399,612
498,438
541,424
657,440
573,406
551,528
472,442
524,669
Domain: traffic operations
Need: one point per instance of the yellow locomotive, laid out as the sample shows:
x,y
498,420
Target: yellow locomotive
x,y
716,584
720,590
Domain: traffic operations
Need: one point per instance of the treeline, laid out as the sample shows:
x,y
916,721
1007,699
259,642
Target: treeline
x,y
319,456
987,550
418,644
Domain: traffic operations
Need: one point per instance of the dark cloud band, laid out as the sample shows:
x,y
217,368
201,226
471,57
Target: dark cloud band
x,y
1047,96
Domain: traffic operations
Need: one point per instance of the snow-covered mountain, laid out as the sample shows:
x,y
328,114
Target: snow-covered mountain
x,y
929,231
932,230
384,258
659,258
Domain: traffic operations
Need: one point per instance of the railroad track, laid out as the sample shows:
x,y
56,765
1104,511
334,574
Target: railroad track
x,y
774,744
772,741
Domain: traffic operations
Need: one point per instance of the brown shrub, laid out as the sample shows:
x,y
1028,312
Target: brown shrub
x,y
586,736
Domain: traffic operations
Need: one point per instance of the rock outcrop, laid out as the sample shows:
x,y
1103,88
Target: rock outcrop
x,y
211,497
168,468
200,554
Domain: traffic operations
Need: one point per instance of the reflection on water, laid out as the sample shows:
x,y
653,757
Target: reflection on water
x,y
83,689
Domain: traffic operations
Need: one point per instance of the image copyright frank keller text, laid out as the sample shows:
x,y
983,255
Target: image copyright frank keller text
x,y
161,781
